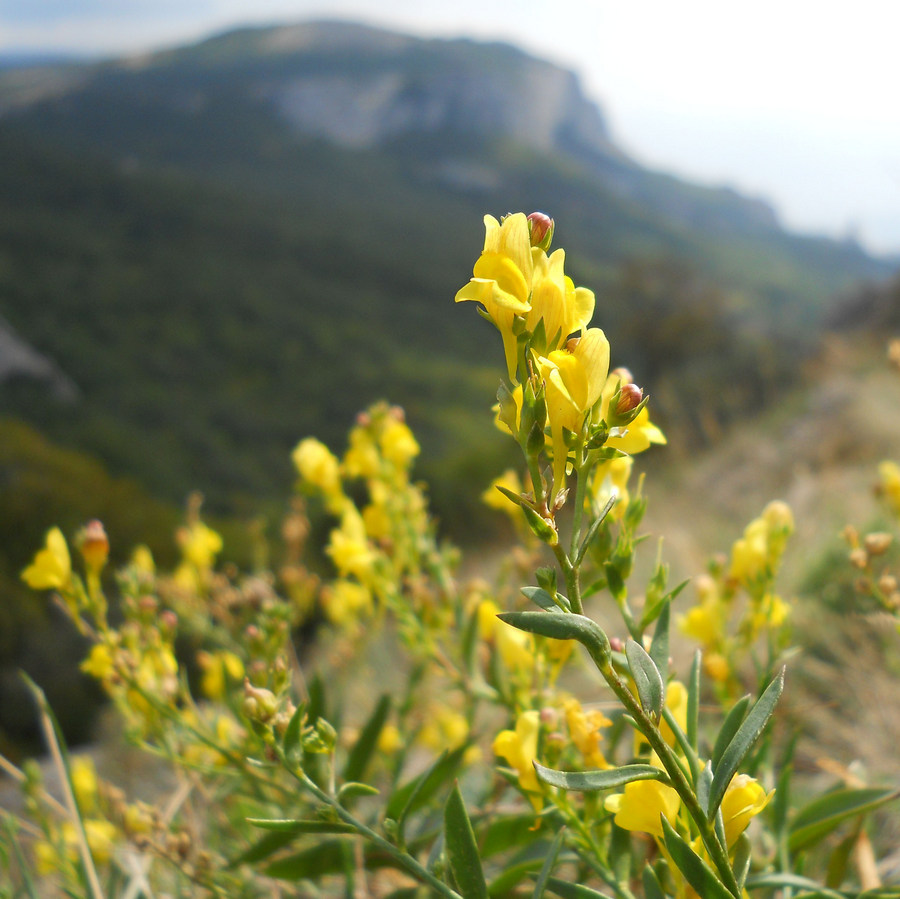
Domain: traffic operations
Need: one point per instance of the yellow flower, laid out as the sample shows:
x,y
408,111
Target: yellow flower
x,y
642,803
516,648
502,278
574,380
889,484
199,545
52,566
219,669
519,748
101,839
142,561
345,602
705,622
398,444
716,666
389,740
585,731
349,548
319,468
99,663
676,703
556,301
361,458
445,728
609,476
496,500
83,775
744,798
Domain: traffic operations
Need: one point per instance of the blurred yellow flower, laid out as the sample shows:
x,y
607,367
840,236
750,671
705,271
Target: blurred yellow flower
x,y
361,459
607,477
83,775
889,484
445,728
398,444
99,663
349,547
676,703
496,500
199,545
519,748
389,740
585,729
319,468
219,669
642,804
345,602
52,566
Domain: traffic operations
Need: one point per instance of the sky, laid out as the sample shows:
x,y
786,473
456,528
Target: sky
x,y
791,101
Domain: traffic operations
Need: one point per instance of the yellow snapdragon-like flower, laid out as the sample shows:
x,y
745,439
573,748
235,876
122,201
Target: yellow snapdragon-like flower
x,y
361,459
642,805
744,798
555,300
502,278
345,602
398,444
519,748
574,379
52,566
760,549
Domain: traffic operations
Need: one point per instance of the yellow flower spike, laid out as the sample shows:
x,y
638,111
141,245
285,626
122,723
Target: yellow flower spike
x,y
52,565
519,748
642,803
744,798
502,279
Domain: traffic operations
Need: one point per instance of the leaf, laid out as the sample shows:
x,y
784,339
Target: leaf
x,y
591,781
792,881
502,833
416,793
696,871
349,791
299,825
549,865
362,750
595,526
652,888
659,648
545,600
291,744
730,725
821,816
573,890
564,627
614,581
461,849
692,725
748,733
743,856
647,678
263,848
512,875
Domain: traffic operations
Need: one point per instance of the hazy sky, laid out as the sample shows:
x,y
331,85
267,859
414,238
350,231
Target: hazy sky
x,y
793,101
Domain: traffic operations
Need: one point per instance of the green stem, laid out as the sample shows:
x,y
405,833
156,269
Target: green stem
x,y
573,584
581,477
680,783
403,859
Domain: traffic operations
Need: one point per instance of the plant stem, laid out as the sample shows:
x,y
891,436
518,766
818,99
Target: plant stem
x,y
573,584
403,859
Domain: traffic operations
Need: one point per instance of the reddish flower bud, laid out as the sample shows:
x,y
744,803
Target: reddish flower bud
x,y
540,227
93,545
630,396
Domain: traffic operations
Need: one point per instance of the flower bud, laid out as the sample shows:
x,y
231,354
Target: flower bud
x,y
540,229
887,584
93,545
859,558
630,396
877,544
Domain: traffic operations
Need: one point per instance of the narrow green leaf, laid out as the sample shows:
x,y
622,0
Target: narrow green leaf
x,y
24,869
462,851
659,648
591,781
512,875
821,816
839,859
263,848
692,727
776,880
291,744
782,801
748,733
416,793
316,707
703,785
504,833
573,890
614,581
696,871
647,678
652,887
733,720
743,856
595,526
564,627
513,497
350,791
362,750
298,825
545,600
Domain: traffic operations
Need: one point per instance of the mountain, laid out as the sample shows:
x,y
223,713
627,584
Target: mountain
x,y
225,246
